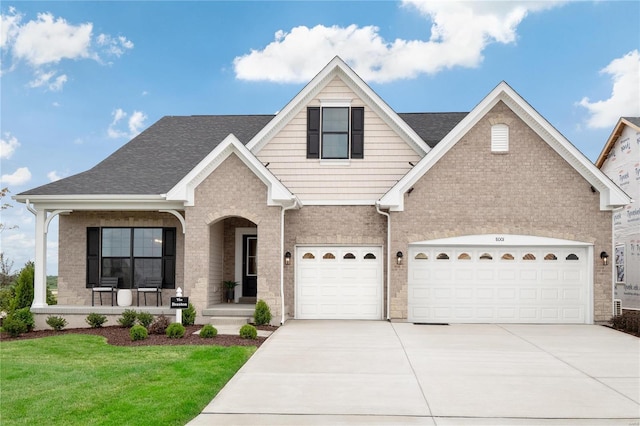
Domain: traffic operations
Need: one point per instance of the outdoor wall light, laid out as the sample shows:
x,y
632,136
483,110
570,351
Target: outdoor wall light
x,y
287,258
605,258
399,256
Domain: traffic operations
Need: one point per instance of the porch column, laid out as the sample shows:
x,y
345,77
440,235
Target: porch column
x,y
40,275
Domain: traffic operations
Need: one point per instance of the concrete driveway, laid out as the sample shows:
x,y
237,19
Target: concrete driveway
x,y
375,372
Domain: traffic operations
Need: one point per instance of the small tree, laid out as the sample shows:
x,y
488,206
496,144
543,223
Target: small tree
x,y
24,288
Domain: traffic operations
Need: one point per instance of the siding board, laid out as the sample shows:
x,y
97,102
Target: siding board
x,y
386,157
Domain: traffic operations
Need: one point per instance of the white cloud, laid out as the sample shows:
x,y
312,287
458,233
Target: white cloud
x,y
53,176
114,46
8,145
46,41
45,79
460,31
49,40
134,125
19,177
625,94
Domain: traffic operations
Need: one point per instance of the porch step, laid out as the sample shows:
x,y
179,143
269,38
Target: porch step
x,y
248,300
229,321
230,310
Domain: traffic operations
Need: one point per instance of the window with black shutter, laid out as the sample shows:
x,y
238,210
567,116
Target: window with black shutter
x,y
132,255
335,133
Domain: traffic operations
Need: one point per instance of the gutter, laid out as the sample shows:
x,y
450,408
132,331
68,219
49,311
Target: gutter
x,y
388,258
296,204
30,208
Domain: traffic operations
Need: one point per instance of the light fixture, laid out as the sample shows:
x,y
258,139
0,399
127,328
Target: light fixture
x,y
399,256
287,258
605,258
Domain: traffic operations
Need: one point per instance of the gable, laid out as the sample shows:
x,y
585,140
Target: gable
x,y
184,190
610,195
622,161
387,156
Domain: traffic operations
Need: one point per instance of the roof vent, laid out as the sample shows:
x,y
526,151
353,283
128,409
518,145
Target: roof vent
x,y
500,138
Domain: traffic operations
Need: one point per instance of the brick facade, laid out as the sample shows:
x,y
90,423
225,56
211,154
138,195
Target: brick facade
x,y
230,191
329,225
72,240
531,190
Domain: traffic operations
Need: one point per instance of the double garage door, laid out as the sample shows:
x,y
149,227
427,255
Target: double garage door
x,y
498,284
335,282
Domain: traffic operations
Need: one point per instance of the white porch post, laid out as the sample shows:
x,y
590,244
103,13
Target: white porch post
x,y
40,276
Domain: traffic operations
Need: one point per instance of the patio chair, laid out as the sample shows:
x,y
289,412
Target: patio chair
x,y
106,285
150,285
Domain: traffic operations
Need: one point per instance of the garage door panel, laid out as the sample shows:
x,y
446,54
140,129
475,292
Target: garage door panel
x,y
340,283
517,285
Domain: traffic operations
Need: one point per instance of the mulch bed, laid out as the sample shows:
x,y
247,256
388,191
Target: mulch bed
x,y
119,336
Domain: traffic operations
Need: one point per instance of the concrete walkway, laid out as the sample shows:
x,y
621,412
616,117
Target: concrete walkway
x,y
375,372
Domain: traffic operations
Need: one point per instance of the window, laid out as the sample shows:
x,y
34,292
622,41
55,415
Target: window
x,y
329,256
369,256
464,256
442,256
349,256
619,253
131,254
421,256
528,256
507,256
572,256
500,138
550,256
308,256
486,256
335,132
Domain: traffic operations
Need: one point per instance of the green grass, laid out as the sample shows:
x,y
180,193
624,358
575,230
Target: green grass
x,y
80,379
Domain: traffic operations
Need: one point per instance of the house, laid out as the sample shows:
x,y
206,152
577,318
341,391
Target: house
x,y
339,207
620,161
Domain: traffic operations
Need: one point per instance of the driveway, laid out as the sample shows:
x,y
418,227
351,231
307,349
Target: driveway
x,y
376,372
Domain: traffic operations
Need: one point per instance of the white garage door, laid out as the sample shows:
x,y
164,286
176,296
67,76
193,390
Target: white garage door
x,y
338,282
489,284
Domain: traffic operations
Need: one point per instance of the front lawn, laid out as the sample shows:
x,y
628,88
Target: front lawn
x,y
80,379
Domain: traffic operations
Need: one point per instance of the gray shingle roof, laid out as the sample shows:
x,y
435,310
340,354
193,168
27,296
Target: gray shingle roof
x,y
634,120
154,161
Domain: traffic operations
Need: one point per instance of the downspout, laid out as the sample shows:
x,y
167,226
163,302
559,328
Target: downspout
x,y
31,209
388,258
284,209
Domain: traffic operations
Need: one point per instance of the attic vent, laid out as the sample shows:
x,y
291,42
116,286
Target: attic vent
x,y
499,138
617,307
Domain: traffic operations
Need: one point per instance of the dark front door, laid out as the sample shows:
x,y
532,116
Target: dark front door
x,y
249,266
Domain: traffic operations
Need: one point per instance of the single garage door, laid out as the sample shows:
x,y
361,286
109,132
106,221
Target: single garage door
x,y
499,284
339,282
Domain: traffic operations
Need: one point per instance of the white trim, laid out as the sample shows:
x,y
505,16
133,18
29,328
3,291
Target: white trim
x,y
506,240
340,203
184,190
240,234
178,216
611,195
335,103
337,67
51,216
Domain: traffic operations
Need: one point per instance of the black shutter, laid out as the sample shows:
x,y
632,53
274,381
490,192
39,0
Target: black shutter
x,y
357,132
169,258
93,257
313,132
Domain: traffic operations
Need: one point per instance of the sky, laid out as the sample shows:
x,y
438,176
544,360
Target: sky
x,y
80,79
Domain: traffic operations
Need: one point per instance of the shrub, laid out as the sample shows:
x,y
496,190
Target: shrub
x,y
25,315
14,326
138,332
248,331
159,326
6,297
57,323
95,320
262,314
175,330
189,315
24,288
145,319
51,298
208,331
128,318
629,322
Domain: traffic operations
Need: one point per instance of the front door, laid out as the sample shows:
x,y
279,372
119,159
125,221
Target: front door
x,y
249,266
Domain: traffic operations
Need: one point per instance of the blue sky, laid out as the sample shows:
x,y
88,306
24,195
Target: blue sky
x,y
79,79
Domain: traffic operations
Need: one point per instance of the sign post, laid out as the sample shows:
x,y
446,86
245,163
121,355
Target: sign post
x,y
179,303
